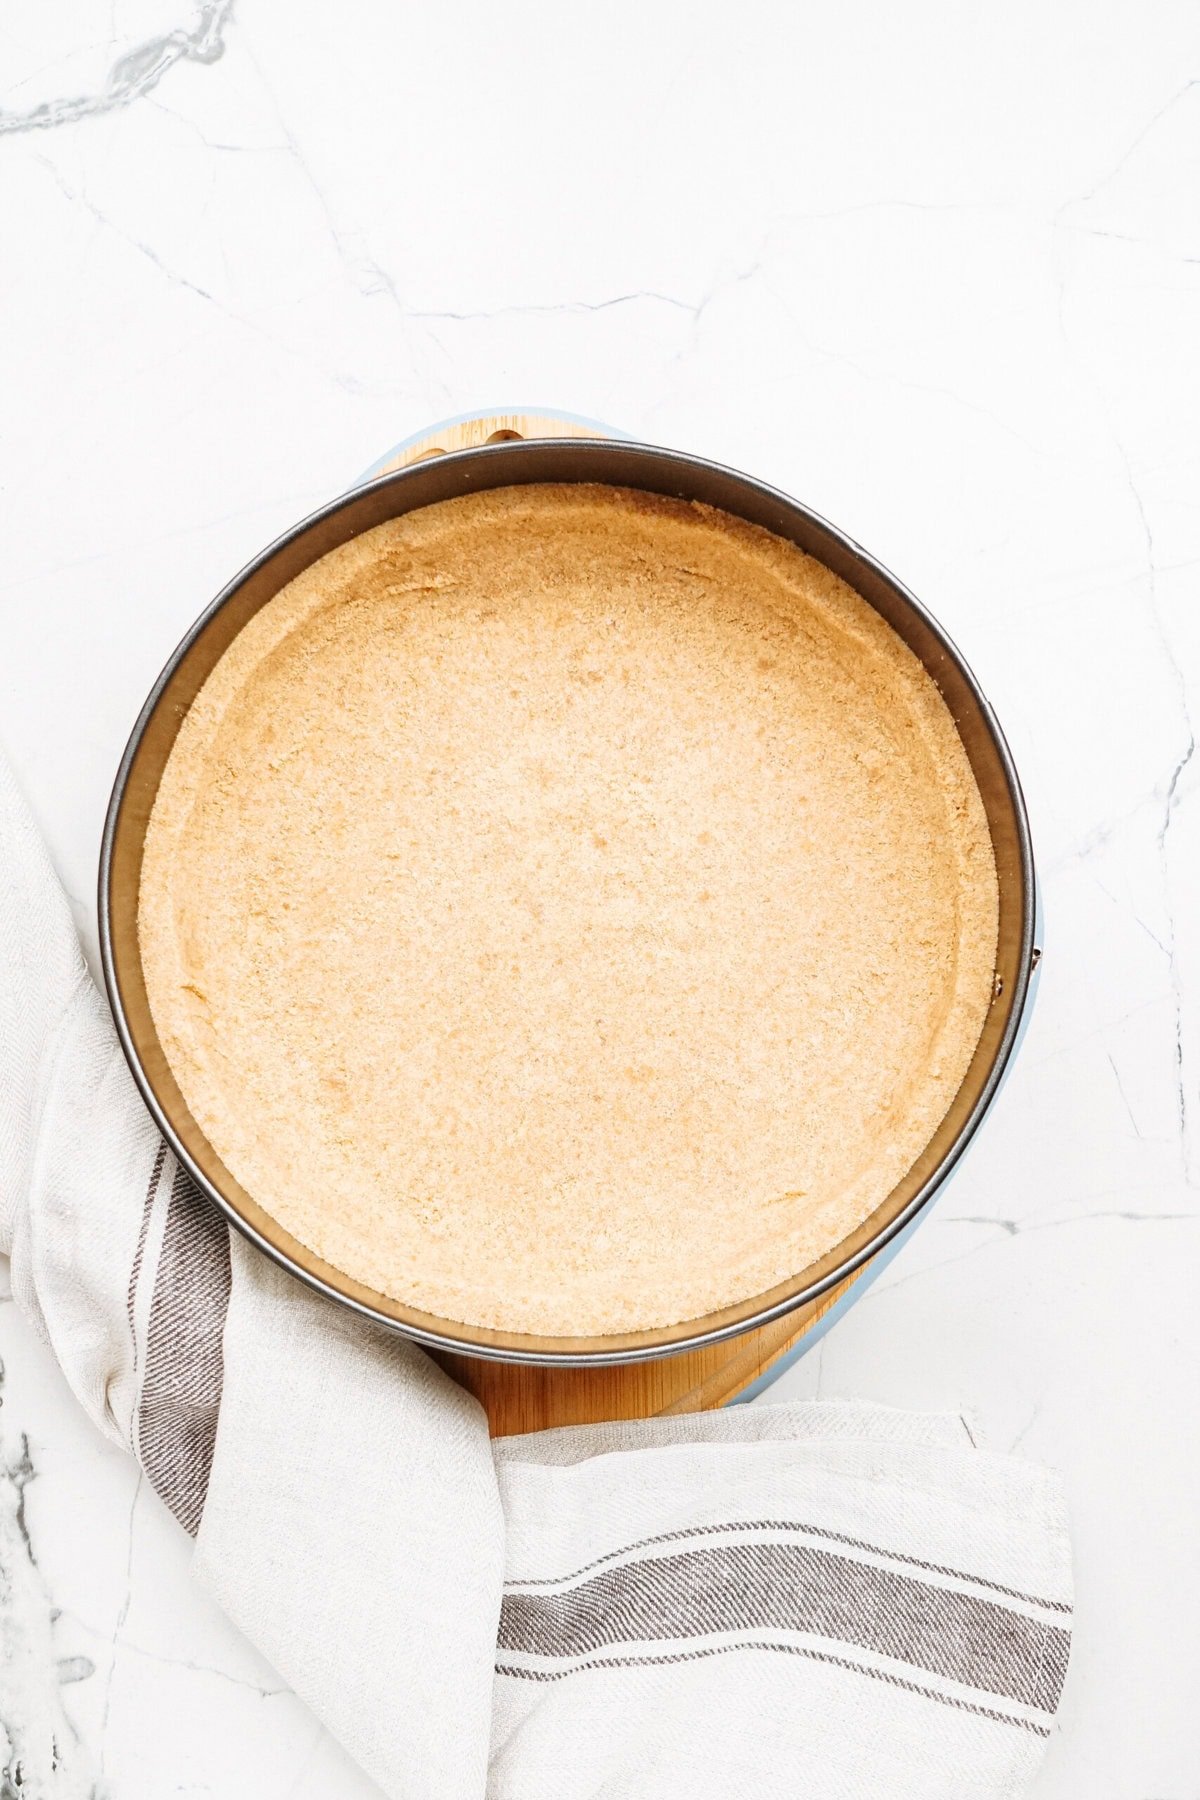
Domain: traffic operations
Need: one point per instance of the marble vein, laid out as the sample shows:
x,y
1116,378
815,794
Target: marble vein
x,y
1137,1130
119,1626
1170,801
177,280
74,1668
133,75
1135,144
39,1749
1170,787
1028,1426
889,377
366,273
560,306
217,144
129,1647
78,198
1128,237
1010,1228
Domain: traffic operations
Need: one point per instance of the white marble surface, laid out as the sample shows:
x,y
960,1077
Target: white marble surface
x,y
936,270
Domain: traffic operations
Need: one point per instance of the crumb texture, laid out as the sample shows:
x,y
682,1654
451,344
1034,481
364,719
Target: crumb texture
x,y
568,911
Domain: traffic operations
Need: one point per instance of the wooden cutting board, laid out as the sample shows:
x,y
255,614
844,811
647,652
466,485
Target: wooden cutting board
x,y
518,1397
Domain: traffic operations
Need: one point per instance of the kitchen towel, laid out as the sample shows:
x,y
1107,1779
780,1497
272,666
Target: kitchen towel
x,y
829,1597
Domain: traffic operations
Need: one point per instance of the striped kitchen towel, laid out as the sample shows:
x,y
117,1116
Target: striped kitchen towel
x,y
772,1600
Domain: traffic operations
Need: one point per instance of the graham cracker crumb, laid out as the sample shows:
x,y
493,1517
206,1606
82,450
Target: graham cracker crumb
x,y
567,910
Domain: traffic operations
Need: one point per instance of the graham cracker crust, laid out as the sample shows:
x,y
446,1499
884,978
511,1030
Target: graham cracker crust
x,y
567,910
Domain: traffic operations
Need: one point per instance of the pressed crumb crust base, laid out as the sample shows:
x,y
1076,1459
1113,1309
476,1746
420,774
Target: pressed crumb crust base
x,y
567,910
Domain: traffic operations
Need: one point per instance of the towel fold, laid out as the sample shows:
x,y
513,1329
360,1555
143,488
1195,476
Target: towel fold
x,y
832,1597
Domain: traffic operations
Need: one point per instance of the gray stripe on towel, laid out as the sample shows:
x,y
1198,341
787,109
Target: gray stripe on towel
x,y
185,1362
796,1587
143,1228
782,1526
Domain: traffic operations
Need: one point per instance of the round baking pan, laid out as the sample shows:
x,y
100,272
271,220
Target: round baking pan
x,y
503,464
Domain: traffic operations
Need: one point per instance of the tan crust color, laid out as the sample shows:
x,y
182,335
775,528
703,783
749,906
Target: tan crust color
x,y
567,910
